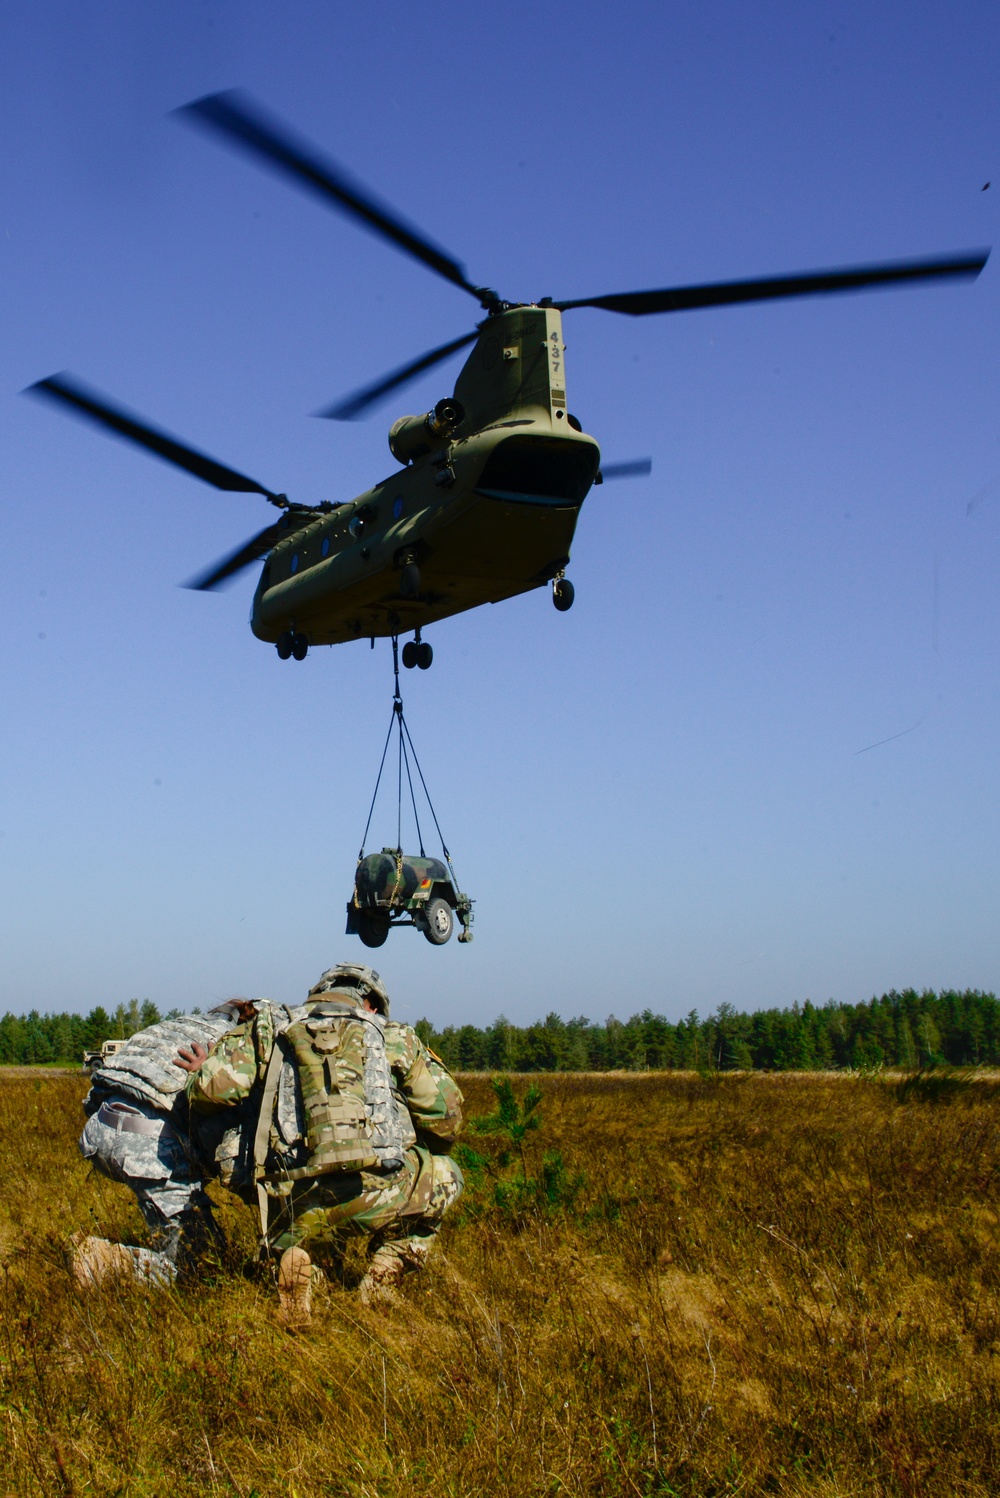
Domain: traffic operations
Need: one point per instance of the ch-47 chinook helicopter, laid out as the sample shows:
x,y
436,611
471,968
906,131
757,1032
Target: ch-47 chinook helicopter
x,y
487,499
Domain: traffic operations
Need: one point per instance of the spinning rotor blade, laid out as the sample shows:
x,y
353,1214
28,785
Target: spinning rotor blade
x,y
251,551
369,395
238,117
637,468
965,264
67,391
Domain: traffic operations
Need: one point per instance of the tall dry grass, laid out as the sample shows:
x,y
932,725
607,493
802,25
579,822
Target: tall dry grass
x,y
764,1285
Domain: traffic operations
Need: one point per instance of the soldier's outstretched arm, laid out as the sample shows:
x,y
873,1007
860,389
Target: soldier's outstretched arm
x,y
224,1077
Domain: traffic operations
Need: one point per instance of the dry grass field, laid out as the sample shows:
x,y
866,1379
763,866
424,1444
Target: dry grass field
x,y
761,1284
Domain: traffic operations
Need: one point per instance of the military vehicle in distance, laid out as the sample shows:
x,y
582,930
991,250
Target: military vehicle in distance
x,y
93,1059
391,886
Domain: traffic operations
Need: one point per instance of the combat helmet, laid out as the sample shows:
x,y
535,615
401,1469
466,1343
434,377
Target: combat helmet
x,y
357,979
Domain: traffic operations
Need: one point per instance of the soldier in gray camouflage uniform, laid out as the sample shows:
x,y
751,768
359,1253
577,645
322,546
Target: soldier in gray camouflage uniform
x,y
136,1133
399,1203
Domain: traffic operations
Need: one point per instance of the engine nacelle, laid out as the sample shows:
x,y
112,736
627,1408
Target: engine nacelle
x,y
413,437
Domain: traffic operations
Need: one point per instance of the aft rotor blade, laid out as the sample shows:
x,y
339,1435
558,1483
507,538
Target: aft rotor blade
x,y
362,400
241,119
637,468
961,266
251,551
68,391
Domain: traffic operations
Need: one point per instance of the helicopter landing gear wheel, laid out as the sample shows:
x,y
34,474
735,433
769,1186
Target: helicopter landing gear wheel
x,y
284,645
409,581
563,594
440,922
300,647
373,927
410,654
424,655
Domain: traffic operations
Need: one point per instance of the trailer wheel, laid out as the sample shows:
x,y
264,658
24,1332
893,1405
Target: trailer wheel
x,y
440,921
373,927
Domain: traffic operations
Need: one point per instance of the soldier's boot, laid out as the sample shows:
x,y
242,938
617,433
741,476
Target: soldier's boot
x,y
382,1279
97,1261
295,1287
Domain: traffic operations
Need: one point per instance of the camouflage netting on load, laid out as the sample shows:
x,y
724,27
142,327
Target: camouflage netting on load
x,y
384,879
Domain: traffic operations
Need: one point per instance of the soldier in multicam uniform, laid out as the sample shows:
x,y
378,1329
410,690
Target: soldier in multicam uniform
x,y
136,1133
253,1084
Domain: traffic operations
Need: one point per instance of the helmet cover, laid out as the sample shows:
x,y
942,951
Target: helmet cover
x,y
364,982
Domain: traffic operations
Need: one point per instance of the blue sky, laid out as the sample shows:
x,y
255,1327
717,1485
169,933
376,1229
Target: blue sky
x,y
666,797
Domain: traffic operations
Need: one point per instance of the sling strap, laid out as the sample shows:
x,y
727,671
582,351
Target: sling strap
x,y
263,1132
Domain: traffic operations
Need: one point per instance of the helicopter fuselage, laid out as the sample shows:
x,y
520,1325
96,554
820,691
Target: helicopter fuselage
x,y
483,512
486,501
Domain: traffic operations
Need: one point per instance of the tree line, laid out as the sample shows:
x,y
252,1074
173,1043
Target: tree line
x,y
906,1029
40,1039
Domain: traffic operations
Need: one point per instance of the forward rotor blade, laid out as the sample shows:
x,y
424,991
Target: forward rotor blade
x,y
251,551
67,391
637,468
963,265
362,400
241,119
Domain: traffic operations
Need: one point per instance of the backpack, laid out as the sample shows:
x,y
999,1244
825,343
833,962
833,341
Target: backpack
x,y
345,1084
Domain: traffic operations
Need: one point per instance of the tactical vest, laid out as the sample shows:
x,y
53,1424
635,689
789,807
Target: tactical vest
x,y
345,1086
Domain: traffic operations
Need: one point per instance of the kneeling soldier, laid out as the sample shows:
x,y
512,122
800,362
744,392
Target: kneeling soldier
x,y
345,1122
136,1133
